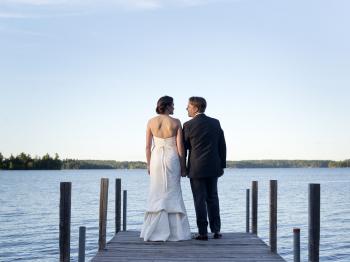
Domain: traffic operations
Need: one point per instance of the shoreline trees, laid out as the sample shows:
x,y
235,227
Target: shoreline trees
x,y
26,162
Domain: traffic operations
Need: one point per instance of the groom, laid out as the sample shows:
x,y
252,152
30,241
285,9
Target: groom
x,y
205,141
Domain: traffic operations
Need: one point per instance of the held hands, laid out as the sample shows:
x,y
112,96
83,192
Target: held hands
x,y
222,172
183,173
148,170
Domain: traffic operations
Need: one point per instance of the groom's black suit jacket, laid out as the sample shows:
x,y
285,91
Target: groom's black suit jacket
x,y
205,141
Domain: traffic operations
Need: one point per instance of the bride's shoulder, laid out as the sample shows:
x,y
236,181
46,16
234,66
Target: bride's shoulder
x,y
152,120
155,118
176,121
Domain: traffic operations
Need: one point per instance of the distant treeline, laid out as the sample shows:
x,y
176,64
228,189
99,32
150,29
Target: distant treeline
x,y
102,164
287,163
26,162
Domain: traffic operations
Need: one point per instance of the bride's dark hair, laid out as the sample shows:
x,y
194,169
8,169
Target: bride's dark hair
x,y
163,103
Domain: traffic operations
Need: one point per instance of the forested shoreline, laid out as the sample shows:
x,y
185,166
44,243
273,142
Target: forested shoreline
x,y
288,163
26,162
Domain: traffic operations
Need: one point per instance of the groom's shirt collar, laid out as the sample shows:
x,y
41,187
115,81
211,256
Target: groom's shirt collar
x,y
198,114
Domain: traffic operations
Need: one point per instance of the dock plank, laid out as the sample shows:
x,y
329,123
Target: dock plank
x,y
240,247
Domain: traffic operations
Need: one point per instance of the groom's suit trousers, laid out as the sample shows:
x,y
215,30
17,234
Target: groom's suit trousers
x,y
206,202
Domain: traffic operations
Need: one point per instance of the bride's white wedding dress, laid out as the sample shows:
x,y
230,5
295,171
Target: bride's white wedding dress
x,y
165,217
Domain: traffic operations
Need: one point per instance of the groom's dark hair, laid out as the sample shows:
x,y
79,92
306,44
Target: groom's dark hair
x,y
198,102
163,103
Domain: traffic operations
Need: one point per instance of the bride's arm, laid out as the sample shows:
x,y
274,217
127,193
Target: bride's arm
x,y
181,150
148,146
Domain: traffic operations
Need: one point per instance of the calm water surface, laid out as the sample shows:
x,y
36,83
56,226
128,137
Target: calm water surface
x,y
29,208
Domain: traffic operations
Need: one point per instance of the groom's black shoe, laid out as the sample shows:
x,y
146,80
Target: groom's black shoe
x,y
217,236
200,237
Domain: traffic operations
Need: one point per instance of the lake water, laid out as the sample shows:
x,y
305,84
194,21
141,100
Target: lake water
x,y
29,208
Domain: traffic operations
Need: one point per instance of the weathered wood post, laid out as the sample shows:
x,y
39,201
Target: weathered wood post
x,y
255,207
65,216
247,210
118,196
296,244
82,237
314,222
273,216
103,214
124,209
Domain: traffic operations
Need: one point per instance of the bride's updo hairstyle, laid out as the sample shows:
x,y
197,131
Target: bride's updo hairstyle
x,y
163,103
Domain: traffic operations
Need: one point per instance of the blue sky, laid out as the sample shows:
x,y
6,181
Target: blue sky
x,y
81,78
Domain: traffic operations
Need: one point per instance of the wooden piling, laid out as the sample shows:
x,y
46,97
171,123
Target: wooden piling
x,y
273,216
103,213
124,209
296,244
82,238
314,222
255,207
65,220
247,210
118,196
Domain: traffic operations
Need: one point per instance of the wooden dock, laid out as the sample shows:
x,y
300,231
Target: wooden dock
x,y
127,246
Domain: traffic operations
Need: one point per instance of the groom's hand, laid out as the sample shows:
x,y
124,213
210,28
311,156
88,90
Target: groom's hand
x,y
184,173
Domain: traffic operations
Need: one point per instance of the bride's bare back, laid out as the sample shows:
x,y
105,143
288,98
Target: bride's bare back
x,y
164,126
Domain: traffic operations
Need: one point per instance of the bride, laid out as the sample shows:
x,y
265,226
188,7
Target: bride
x,y
165,217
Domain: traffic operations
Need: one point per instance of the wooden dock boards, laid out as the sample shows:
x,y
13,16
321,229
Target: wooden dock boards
x,y
127,246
